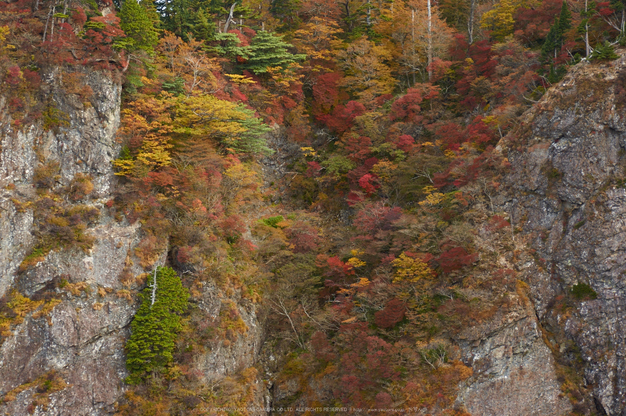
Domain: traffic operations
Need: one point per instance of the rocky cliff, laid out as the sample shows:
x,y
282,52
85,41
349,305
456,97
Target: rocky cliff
x,y
71,264
63,329
567,196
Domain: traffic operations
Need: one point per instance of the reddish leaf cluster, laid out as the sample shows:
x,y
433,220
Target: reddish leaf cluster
x,y
392,314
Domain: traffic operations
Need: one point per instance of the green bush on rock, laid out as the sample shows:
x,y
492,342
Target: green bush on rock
x,y
156,324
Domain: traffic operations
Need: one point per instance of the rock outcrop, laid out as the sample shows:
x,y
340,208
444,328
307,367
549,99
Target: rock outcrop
x,y
67,310
568,196
64,355
514,371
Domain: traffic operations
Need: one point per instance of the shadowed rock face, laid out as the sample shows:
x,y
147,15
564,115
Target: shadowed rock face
x,y
567,194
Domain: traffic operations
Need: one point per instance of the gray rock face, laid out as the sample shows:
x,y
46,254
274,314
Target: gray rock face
x,y
513,369
568,196
86,145
82,344
15,240
238,351
66,356
81,338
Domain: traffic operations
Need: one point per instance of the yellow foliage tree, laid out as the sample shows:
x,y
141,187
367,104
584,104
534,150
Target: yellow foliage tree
x,y
146,127
432,198
4,32
500,19
367,74
318,39
241,184
411,270
205,117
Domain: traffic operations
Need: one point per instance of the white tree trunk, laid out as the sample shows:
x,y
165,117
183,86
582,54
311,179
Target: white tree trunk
x,y
470,22
430,41
230,18
154,288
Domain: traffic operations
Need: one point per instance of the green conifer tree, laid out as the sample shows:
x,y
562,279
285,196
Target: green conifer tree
x,y
286,11
229,46
138,24
604,52
270,51
565,20
556,35
252,140
549,47
203,27
156,324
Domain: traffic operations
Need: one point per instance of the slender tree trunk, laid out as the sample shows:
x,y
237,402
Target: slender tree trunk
x,y
230,17
154,288
470,22
45,30
282,310
64,10
587,47
52,22
430,41
348,15
413,43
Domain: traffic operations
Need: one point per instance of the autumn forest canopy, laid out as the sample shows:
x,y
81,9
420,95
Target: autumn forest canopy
x,y
331,162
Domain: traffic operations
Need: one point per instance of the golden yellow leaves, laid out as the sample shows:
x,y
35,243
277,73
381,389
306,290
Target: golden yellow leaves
x,y
384,170
432,198
411,270
4,32
318,40
154,152
241,183
367,76
500,19
308,152
240,79
363,283
355,262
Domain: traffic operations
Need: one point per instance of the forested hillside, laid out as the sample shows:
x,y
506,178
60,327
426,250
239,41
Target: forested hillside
x,y
320,199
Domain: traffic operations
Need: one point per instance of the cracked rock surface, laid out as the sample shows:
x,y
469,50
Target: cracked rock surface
x,y
81,338
567,195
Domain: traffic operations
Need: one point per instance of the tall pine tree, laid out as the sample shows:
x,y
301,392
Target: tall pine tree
x,y
270,51
556,35
139,26
156,324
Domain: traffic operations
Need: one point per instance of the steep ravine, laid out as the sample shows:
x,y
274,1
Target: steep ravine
x,y
553,350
